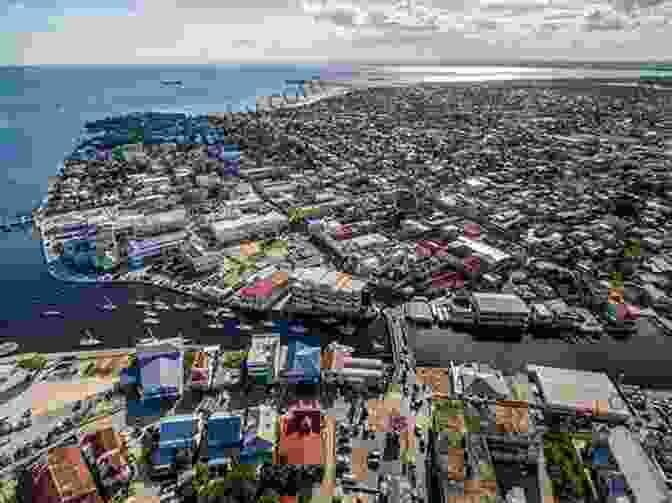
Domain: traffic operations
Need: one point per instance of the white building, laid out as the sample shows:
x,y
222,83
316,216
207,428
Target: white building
x,y
499,309
249,226
317,287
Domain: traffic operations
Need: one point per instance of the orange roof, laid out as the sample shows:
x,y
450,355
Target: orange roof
x,y
70,475
298,448
437,378
280,279
200,360
360,463
512,419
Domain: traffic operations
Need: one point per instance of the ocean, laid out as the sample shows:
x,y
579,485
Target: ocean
x,y
43,109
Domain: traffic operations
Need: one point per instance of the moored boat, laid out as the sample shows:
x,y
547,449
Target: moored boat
x,y
8,348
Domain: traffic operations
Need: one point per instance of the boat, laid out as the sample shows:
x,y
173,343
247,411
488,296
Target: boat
x,y
192,305
150,314
180,307
151,321
162,306
141,303
149,340
268,324
227,313
50,314
245,327
89,340
108,306
171,82
298,329
8,348
330,321
217,326
211,313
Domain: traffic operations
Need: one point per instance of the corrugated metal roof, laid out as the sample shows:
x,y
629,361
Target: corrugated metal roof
x,y
500,303
642,477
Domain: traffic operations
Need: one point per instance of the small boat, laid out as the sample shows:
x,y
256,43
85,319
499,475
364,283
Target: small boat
x,y
8,348
149,340
162,306
108,306
171,82
192,305
141,303
211,313
89,340
227,313
150,314
245,327
298,329
50,314
180,307
330,321
151,321
217,326
268,324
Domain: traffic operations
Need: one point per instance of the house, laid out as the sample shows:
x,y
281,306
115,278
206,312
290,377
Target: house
x,y
106,450
224,438
160,371
303,361
179,438
477,379
201,371
300,439
61,476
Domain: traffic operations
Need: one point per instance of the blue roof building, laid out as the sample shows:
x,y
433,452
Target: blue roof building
x,y
177,433
224,437
160,372
303,360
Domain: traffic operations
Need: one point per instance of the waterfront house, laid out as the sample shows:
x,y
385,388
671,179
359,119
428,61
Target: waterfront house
x,y
61,476
223,438
179,438
108,452
161,374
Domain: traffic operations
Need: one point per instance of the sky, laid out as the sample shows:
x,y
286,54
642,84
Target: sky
x,y
36,32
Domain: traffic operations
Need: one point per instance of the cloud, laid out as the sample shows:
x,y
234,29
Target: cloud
x,y
603,20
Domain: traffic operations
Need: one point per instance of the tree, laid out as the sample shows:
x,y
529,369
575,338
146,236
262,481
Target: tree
x,y
32,361
201,478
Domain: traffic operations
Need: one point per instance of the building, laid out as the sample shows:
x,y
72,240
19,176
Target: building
x,y
203,262
266,292
106,450
341,367
480,379
263,359
303,361
201,371
419,311
249,227
568,391
60,476
179,438
491,258
317,287
158,245
160,371
224,438
498,309
300,438
158,223
645,481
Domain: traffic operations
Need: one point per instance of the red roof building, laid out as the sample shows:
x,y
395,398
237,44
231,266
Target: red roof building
x,y
63,477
